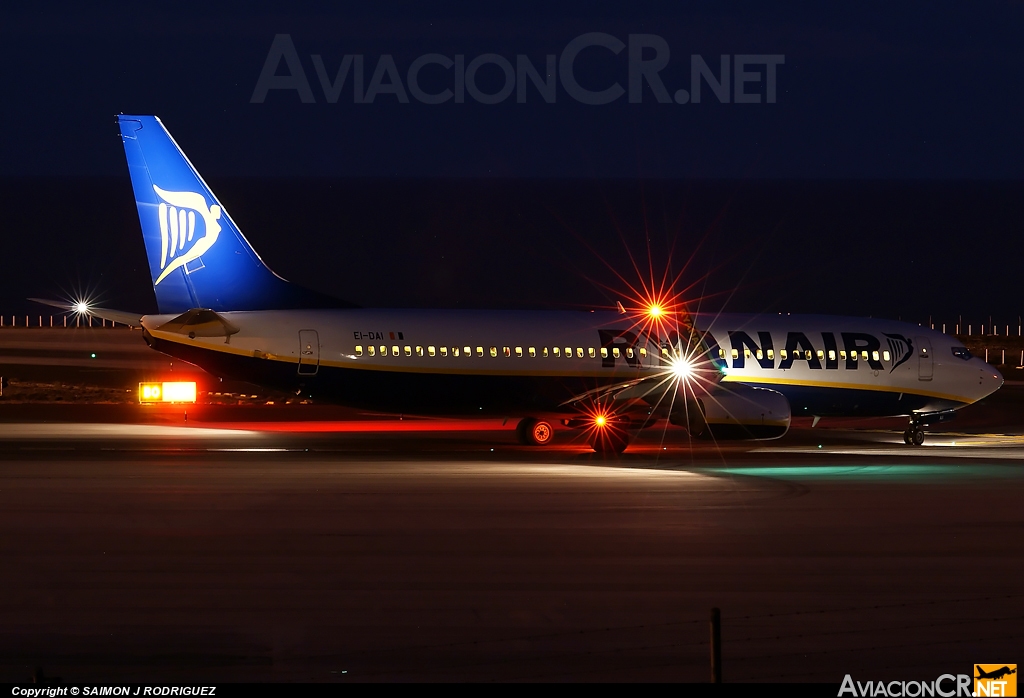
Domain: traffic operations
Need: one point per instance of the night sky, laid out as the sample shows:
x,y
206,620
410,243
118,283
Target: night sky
x,y
886,178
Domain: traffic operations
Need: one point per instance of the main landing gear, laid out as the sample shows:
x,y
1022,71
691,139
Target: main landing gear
x,y
535,432
914,435
610,441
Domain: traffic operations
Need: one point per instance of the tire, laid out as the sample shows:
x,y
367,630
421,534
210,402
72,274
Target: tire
x,y
535,432
917,437
906,437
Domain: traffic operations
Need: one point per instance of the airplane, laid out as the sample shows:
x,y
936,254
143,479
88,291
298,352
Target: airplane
x,y
995,674
609,373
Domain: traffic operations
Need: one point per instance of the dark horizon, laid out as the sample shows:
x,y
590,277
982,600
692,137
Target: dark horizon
x,y
834,246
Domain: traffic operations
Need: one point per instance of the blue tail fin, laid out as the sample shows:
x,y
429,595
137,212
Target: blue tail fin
x,y
198,257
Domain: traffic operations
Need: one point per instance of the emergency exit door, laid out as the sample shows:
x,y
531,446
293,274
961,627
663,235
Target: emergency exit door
x,y
309,352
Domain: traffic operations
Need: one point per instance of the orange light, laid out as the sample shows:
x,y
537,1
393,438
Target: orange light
x,y
600,420
173,391
655,311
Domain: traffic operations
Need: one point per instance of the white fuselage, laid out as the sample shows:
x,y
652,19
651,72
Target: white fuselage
x,y
486,361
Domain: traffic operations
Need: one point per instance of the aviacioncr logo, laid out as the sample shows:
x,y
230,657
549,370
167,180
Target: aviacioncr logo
x,y
177,213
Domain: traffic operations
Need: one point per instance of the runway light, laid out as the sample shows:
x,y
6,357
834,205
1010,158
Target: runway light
x,y
173,391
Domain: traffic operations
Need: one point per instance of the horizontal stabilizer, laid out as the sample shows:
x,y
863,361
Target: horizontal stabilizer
x,y
122,316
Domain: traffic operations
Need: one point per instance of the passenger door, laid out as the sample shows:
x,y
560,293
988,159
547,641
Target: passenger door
x,y
309,352
925,367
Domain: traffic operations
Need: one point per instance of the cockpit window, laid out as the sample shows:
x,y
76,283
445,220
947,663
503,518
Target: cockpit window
x,y
961,353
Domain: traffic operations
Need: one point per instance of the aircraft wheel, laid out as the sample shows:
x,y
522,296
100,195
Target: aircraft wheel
x,y
917,436
535,432
906,437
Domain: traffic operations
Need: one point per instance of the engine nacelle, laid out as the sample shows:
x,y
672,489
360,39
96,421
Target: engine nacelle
x,y
734,412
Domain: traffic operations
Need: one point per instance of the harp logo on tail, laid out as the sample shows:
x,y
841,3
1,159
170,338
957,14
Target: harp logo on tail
x,y
180,242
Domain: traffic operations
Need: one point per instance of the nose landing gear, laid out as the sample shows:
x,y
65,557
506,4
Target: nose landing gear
x,y
914,435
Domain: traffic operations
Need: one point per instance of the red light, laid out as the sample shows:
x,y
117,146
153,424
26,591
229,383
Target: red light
x,y
600,420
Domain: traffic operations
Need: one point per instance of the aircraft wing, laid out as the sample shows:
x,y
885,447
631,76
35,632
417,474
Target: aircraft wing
x,y
628,390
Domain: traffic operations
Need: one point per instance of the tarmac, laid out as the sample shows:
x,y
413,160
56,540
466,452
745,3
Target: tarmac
x,y
408,550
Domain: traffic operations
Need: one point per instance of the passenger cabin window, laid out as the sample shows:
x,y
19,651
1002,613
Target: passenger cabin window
x,y
455,351
924,351
506,352
771,355
842,354
808,354
629,352
408,350
616,354
579,352
359,350
643,352
419,351
784,354
383,350
519,352
591,352
533,352
431,351
853,356
759,354
864,355
544,352
604,352
735,353
493,351
444,351
371,350
555,352
885,355
821,354
568,352
831,354
874,355
479,351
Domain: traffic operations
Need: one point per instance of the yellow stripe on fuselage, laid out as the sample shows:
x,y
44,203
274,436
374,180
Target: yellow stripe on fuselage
x,y
773,380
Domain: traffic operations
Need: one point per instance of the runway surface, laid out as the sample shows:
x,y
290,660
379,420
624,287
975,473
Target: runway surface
x,y
159,552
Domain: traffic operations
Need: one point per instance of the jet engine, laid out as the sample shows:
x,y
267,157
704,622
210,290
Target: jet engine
x,y
734,413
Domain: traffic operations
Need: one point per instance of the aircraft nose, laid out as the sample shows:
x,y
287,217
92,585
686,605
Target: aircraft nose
x,y
991,379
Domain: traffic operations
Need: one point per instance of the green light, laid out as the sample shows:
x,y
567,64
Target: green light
x,y
878,473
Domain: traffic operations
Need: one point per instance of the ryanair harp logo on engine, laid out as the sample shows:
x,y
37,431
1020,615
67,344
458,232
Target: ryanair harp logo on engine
x,y
181,243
